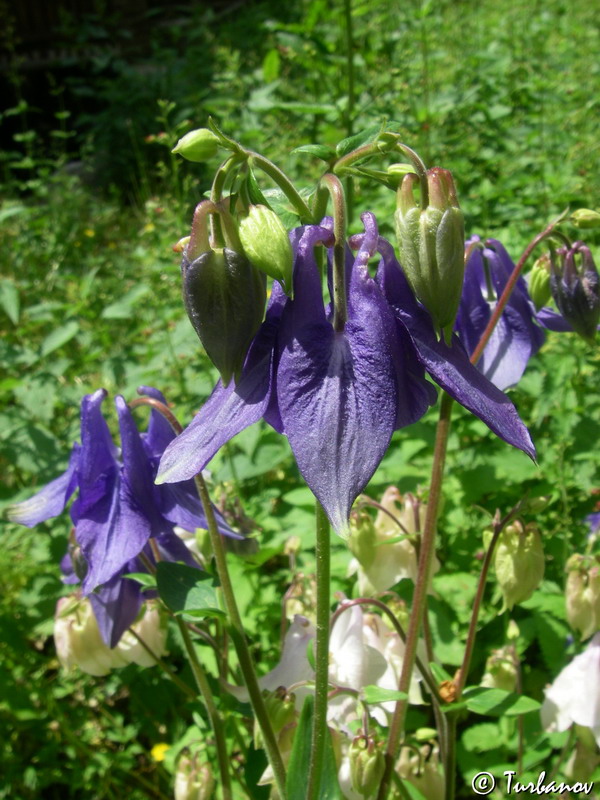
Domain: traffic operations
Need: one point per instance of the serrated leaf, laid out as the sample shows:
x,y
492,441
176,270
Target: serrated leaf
x,y
123,307
375,694
318,150
296,775
59,337
187,591
497,702
144,578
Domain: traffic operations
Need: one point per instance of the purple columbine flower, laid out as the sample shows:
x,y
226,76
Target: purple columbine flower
x,y
519,333
118,507
339,395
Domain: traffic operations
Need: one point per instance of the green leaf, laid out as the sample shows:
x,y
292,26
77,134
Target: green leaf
x,y
296,776
497,702
59,337
9,300
187,591
122,308
144,578
374,694
439,673
358,140
318,150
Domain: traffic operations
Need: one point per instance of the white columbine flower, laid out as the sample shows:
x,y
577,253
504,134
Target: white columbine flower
x,y
574,697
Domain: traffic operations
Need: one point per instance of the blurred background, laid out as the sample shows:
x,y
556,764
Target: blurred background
x,y
94,95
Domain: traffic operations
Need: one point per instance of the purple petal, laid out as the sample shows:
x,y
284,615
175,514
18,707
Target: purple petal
x,y
116,606
98,458
49,501
228,410
450,366
159,433
336,391
181,506
516,336
552,321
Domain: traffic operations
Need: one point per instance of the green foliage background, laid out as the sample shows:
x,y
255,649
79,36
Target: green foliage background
x,y
506,96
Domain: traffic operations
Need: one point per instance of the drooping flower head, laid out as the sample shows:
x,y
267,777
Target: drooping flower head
x,y
519,333
118,508
338,395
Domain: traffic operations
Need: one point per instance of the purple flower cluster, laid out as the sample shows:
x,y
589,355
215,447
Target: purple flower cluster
x,y
339,395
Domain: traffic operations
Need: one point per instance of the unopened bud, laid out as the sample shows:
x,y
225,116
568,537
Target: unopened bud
x,y
519,563
367,765
199,145
432,243
539,282
281,710
267,244
78,641
151,628
193,780
576,289
224,297
362,538
583,595
500,670
586,218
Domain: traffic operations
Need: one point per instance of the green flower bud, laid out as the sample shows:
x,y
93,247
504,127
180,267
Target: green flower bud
x,y
363,538
432,243
193,780
367,765
198,145
539,282
267,244
224,297
500,670
519,563
586,218
583,595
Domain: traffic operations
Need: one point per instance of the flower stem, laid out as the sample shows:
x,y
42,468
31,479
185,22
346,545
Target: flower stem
x,y
239,641
209,701
340,302
508,289
164,666
284,183
426,554
319,730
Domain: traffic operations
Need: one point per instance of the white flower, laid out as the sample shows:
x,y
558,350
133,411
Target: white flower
x,y
574,697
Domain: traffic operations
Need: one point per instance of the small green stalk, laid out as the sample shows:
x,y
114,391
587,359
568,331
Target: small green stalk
x,y
419,603
239,640
320,730
209,701
340,301
284,183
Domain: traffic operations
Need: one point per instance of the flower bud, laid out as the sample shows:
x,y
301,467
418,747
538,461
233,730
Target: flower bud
x,y
422,770
78,641
281,710
583,595
519,563
267,245
576,289
193,780
367,765
539,282
151,627
224,297
432,243
500,670
586,218
198,145
363,539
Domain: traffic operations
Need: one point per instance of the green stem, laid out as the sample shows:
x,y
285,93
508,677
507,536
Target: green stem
x,y
239,641
340,300
164,667
284,183
426,554
209,701
450,758
319,730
